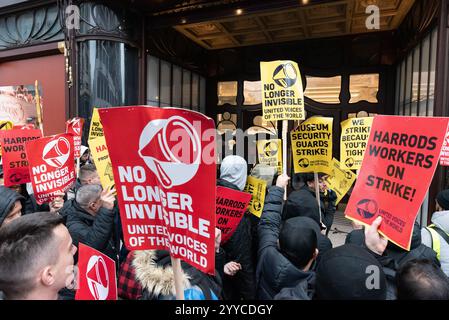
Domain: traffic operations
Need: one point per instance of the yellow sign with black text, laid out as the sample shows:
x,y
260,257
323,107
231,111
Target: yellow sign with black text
x,y
100,156
257,188
269,152
312,145
5,125
354,139
339,180
96,128
282,92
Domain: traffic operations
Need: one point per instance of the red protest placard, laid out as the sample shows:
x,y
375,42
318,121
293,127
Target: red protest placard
x,y
444,156
25,126
165,173
15,163
399,163
51,166
75,126
97,279
231,206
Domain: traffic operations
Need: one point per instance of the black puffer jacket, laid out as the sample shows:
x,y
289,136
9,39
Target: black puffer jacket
x,y
94,231
7,199
304,290
239,249
274,271
31,206
303,203
394,257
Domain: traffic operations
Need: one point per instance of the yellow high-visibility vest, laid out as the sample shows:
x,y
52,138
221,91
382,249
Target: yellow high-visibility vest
x,y
436,244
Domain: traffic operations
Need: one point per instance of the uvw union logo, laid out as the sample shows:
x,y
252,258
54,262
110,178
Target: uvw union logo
x,y
76,126
97,278
156,149
285,75
56,152
367,208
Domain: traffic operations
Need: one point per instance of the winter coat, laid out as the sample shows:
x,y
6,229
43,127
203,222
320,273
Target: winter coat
x,y
154,273
274,271
303,203
239,249
31,206
7,199
94,231
304,290
395,257
441,220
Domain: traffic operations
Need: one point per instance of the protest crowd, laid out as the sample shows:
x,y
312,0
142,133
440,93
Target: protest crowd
x,y
126,216
284,255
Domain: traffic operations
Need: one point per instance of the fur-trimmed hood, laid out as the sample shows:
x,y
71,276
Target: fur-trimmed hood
x,y
157,280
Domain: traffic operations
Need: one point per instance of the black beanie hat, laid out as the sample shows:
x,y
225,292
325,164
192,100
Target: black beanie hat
x,y
443,199
343,275
298,241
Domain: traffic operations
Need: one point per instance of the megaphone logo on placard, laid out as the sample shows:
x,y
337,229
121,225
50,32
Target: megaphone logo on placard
x,y
76,126
156,150
367,208
97,278
270,149
56,152
285,75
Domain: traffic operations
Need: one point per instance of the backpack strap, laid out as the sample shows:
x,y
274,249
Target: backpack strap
x,y
443,234
436,244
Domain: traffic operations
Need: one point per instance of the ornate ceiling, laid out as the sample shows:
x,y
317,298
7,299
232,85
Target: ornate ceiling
x,y
335,18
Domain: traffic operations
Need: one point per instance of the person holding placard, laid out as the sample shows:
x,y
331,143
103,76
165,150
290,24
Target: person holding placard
x,y
240,285
303,202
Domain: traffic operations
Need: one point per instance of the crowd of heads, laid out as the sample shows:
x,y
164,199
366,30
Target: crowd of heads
x,y
37,250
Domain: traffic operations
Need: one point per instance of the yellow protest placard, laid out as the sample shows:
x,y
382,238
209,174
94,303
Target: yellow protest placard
x,y
312,145
257,188
96,128
269,152
354,138
5,125
100,155
282,92
339,180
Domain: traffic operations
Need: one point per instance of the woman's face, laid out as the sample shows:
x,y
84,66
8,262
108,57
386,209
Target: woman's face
x,y
85,156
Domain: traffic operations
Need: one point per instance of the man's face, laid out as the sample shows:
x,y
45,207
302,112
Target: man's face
x,y
64,268
15,213
94,178
321,185
96,205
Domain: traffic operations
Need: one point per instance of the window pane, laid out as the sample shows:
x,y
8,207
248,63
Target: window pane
x,y
186,89
397,98
227,92
424,77
432,73
408,86
177,87
152,81
364,87
324,90
203,95
402,89
415,82
165,84
262,126
195,85
252,92
226,122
